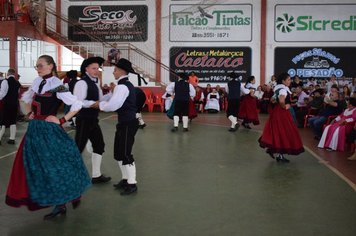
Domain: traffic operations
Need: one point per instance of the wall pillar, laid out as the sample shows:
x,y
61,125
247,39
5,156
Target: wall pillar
x,y
263,42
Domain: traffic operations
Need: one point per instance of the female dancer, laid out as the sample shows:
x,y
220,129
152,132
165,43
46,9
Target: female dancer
x,y
280,134
48,169
248,108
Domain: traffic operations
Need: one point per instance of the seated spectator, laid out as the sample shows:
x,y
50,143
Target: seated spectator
x,y
212,102
353,85
315,101
333,137
297,82
310,89
259,93
333,107
264,88
263,104
221,94
332,83
342,83
311,81
333,89
346,91
294,97
273,82
198,100
168,99
301,96
193,79
105,89
343,100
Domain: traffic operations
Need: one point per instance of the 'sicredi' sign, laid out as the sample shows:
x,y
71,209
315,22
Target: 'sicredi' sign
x,y
315,23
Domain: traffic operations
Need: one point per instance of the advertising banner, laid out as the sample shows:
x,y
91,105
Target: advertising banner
x,y
108,23
318,62
212,64
210,23
315,23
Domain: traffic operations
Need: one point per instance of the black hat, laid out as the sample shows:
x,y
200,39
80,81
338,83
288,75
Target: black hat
x,y
72,74
234,75
183,76
89,61
124,64
321,91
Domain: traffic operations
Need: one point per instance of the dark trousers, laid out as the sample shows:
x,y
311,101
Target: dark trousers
x,y
124,140
300,115
8,114
263,106
89,129
233,107
181,106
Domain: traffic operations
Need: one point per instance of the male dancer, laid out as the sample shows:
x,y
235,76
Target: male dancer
x,y
123,101
88,91
234,89
9,93
183,92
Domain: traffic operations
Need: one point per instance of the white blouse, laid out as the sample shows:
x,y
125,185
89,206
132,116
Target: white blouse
x,y
52,83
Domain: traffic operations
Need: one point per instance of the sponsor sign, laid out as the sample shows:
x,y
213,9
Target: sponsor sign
x,y
315,23
210,23
318,62
108,23
211,64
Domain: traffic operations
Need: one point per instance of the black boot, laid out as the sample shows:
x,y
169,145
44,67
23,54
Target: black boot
x,y
281,158
76,204
57,210
130,188
121,185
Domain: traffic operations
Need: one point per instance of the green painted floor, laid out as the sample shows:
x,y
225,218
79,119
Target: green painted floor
x,y
207,181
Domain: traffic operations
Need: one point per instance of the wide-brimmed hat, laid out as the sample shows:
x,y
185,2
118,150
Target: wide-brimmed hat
x,y
124,64
183,76
72,74
89,61
321,91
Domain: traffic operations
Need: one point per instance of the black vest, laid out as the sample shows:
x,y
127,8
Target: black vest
x,y
234,89
46,104
181,90
92,94
13,93
127,111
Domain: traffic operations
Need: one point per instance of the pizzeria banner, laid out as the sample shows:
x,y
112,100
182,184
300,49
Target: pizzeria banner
x,y
318,62
108,23
211,64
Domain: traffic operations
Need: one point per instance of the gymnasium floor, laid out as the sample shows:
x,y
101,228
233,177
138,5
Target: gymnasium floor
x,y
207,181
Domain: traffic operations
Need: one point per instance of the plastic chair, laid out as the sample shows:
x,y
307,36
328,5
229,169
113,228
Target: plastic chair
x,y
148,101
308,115
156,100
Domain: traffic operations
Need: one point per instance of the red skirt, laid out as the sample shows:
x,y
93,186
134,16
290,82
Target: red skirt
x,y
248,110
280,134
17,194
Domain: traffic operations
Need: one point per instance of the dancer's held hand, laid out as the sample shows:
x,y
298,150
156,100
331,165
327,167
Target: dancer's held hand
x,y
53,119
95,105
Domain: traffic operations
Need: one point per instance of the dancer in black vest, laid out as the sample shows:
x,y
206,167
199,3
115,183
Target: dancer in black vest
x,y
88,91
72,75
9,93
183,92
123,101
233,90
